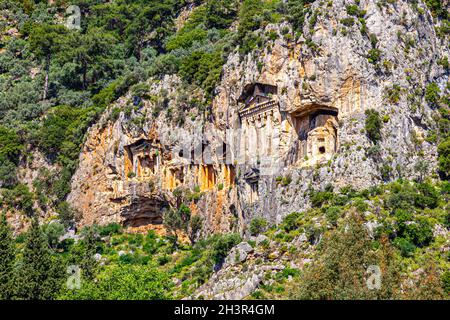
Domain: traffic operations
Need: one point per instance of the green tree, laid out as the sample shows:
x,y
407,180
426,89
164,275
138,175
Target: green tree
x,y
7,259
19,198
150,27
8,177
90,52
39,275
220,13
10,145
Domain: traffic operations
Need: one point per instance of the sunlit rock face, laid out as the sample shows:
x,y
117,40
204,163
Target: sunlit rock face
x,y
284,119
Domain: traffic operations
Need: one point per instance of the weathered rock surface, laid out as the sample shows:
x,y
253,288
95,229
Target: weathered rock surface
x,y
131,165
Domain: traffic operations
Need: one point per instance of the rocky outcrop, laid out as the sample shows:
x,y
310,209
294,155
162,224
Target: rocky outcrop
x,y
310,131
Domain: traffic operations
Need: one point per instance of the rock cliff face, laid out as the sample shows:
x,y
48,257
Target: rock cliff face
x,y
243,157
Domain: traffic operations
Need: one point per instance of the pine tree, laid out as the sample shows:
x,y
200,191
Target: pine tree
x,y
88,262
39,275
7,258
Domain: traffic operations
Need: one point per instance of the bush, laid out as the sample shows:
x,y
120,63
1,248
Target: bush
x,y
447,220
162,260
406,248
339,270
432,93
8,177
10,145
333,213
203,69
348,22
53,231
420,232
444,158
258,225
393,94
373,125
429,196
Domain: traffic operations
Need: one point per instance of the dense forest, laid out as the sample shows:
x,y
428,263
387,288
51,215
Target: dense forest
x,y
56,82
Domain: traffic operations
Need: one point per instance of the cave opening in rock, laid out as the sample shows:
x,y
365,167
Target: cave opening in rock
x,y
144,211
146,165
316,128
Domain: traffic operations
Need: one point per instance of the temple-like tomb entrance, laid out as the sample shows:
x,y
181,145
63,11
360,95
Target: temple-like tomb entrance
x,y
259,115
316,127
141,158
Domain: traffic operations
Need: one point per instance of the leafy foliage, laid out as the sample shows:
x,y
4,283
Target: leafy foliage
x,y
7,259
124,282
257,226
340,271
373,125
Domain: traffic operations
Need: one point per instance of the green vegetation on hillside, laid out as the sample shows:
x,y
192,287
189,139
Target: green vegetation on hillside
x,y
391,227
403,216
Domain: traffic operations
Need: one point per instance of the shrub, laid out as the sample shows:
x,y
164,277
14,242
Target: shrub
x,y
420,232
393,93
286,180
290,221
19,198
150,244
447,220
164,259
333,213
319,198
352,10
10,146
373,125
374,56
195,226
348,22
110,229
222,244
446,282
53,231
257,226
429,196
444,158
66,213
